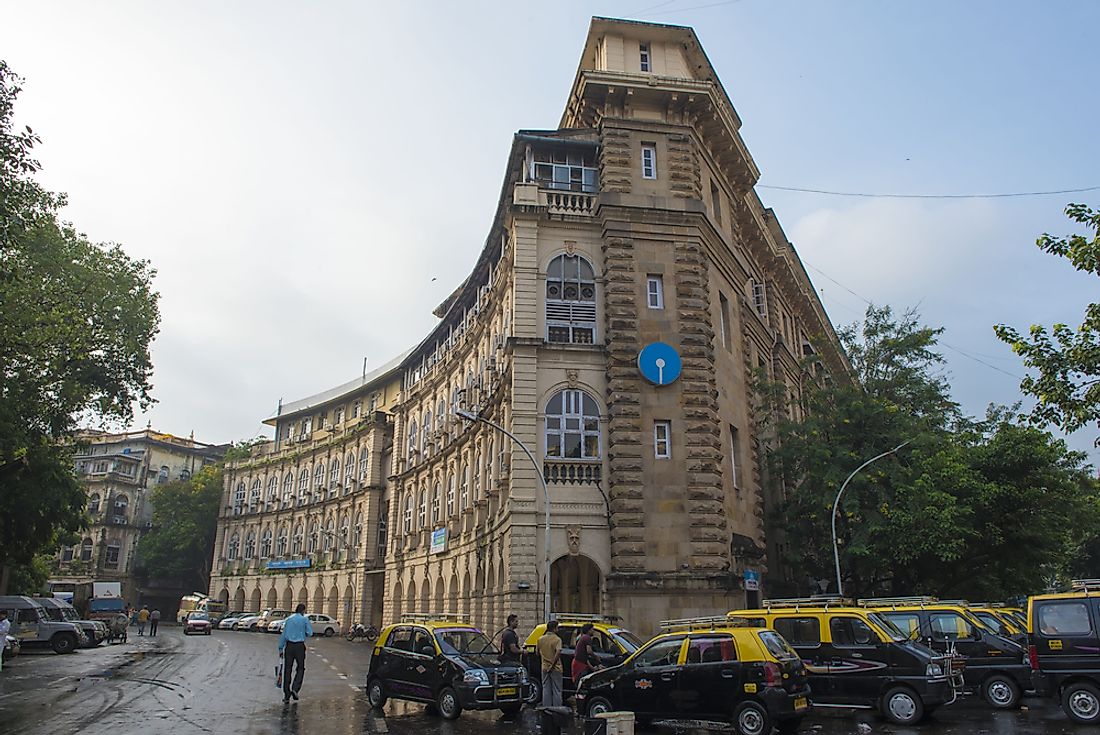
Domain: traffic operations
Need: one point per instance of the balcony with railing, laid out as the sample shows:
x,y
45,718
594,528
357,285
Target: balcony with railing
x,y
572,472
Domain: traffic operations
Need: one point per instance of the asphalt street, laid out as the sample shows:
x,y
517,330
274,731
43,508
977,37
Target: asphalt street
x,y
224,683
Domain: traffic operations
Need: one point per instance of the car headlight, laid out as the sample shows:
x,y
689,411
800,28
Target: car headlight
x,y
934,670
476,677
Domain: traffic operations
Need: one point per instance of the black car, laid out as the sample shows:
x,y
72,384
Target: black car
x,y
995,666
450,664
1064,650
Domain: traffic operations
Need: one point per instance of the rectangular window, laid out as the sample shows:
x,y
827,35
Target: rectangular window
x,y
724,316
356,408
799,631
735,456
649,160
643,51
716,202
760,299
662,439
1064,619
565,170
655,292
849,632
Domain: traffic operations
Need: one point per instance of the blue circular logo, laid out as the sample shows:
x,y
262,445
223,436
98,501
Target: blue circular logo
x,y
660,363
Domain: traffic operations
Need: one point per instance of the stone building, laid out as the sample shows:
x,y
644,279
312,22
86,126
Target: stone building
x,y
634,224
300,516
118,471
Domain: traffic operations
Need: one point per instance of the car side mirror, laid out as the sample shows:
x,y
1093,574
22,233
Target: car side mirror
x,y
427,651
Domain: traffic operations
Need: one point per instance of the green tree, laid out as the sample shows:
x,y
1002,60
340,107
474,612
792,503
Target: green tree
x,y
948,514
1066,385
76,321
185,517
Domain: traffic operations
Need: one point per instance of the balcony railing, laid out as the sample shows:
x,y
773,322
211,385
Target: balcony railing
x,y
569,202
572,472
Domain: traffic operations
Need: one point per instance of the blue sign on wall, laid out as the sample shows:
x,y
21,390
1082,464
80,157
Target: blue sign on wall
x,y
660,363
289,564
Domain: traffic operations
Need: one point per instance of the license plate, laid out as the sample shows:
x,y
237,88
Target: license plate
x,y
506,692
800,703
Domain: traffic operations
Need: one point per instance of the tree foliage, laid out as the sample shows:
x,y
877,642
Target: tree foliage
x,y
185,517
76,321
985,508
1066,360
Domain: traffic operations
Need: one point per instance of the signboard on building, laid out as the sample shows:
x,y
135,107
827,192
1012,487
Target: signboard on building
x,y
752,581
289,564
439,541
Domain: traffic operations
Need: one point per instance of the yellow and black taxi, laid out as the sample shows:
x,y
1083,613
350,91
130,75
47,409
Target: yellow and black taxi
x,y
855,658
1064,648
611,643
1001,621
706,668
995,666
443,662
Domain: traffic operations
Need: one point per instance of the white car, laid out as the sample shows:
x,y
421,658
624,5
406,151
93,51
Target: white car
x,y
232,621
323,625
248,622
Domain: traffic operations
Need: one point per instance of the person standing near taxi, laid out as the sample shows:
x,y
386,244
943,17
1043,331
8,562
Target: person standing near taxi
x,y
582,655
292,649
509,641
549,648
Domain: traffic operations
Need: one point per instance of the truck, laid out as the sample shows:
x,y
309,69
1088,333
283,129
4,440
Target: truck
x,y
81,594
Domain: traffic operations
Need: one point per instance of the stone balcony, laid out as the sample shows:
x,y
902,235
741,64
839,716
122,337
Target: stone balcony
x,y
572,472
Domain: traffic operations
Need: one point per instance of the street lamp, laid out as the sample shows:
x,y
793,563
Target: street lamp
x,y
475,418
836,505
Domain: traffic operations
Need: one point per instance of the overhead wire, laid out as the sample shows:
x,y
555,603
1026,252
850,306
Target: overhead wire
x,y
884,195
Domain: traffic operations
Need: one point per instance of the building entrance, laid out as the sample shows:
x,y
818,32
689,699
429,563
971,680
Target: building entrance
x,y
575,585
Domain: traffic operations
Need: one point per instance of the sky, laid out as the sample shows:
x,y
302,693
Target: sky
x,y
311,179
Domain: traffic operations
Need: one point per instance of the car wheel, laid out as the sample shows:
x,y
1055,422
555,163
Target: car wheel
x,y
63,643
599,705
376,694
1001,691
750,718
232,626
329,632
1081,703
536,692
902,706
448,704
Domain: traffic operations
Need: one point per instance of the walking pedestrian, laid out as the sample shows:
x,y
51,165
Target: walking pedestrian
x,y
583,662
154,621
5,628
509,641
143,618
292,649
549,648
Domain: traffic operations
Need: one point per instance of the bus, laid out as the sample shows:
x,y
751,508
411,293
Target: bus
x,y
188,604
215,609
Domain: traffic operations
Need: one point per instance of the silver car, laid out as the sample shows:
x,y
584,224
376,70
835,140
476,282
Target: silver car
x,y
233,620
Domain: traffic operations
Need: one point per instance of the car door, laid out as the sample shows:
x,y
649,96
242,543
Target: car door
x,y
803,632
858,660
950,630
710,680
649,681
393,664
1065,635
568,634
422,670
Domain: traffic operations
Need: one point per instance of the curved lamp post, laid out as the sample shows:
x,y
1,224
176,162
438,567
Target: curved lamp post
x,y
475,418
836,506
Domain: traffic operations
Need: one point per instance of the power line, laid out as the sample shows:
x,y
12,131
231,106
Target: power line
x,y
873,195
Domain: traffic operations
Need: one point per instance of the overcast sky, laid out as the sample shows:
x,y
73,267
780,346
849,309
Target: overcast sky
x,y
299,173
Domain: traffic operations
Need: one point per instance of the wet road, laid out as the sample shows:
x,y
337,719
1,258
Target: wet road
x,y
224,683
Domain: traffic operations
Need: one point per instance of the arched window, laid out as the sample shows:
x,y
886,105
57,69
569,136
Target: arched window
x,y
314,537
436,507
86,550
288,489
272,490
363,455
349,469
345,533
572,426
185,475
408,520
250,545
282,541
265,544
429,440
238,495
93,503
162,476
67,554
464,487
412,445
254,494
296,544
319,475
478,480
570,300
234,547
422,511
334,471
450,496
326,539
383,528
303,487
441,422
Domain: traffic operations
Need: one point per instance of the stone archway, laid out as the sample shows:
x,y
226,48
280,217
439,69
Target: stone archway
x,y
288,597
303,598
224,595
440,588
410,600
575,585
452,596
255,602
318,605
350,607
491,596
333,610
272,598
398,596
426,597
238,600
467,595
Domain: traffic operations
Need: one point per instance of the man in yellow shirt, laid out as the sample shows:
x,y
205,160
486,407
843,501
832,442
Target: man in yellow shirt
x,y
549,648
143,618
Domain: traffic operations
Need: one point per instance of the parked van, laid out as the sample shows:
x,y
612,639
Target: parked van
x,y
33,627
1064,648
855,658
996,667
59,610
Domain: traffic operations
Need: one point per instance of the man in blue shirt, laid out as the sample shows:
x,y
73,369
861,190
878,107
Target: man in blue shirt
x,y
292,649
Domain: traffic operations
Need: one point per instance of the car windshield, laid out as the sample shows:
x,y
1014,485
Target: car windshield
x,y
197,616
776,644
463,640
69,613
627,640
891,630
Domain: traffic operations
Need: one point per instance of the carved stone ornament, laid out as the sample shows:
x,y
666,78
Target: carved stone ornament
x,y
572,376
573,539
570,247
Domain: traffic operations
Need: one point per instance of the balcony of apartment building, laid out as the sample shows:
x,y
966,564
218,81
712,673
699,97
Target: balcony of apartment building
x,y
560,175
